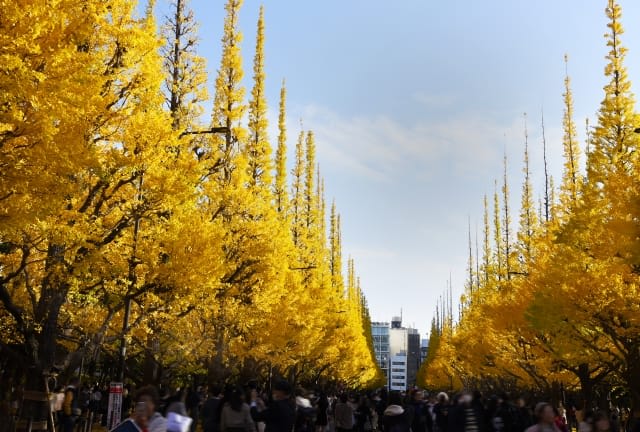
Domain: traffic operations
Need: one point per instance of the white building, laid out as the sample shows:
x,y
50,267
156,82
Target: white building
x,y
396,353
398,373
397,337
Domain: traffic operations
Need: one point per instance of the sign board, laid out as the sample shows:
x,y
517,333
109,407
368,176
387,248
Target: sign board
x,y
114,412
127,426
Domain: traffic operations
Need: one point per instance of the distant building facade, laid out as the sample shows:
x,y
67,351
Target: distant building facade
x,y
398,378
398,353
380,332
413,355
424,350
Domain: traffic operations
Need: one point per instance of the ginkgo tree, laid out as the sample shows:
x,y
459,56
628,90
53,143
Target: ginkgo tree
x,y
132,228
570,312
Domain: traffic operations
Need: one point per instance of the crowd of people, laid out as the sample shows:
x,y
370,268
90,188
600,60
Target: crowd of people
x,y
248,409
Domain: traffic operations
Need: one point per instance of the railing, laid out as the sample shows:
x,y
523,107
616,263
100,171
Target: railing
x,y
35,413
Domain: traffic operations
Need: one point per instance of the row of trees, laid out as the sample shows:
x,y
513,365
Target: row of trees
x,y
558,301
131,228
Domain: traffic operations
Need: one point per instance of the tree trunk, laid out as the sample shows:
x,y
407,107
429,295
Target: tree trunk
x,y
41,345
150,376
632,377
46,341
586,386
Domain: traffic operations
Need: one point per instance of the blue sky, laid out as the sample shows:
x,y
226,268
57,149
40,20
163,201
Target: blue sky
x,y
413,103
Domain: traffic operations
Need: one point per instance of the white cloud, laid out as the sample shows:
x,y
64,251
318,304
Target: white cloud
x,y
380,148
439,101
406,190
372,253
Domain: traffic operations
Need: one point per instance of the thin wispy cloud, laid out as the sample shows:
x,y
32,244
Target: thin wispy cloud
x,y
382,148
411,132
435,101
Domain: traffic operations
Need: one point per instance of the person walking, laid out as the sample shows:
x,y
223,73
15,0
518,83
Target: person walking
x,y
545,418
344,415
322,413
395,418
602,422
177,403
70,406
193,402
145,414
524,415
58,402
466,416
211,410
441,413
586,424
236,414
506,415
305,414
362,415
280,415
421,416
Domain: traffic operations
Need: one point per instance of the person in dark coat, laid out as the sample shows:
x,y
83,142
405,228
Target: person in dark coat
x,y
465,416
211,410
422,421
343,414
525,419
280,415
193,403
322,413
441,413
395,418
